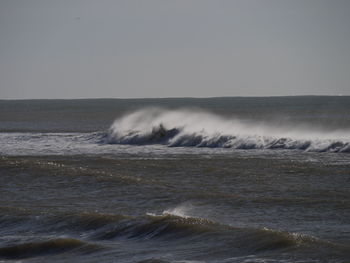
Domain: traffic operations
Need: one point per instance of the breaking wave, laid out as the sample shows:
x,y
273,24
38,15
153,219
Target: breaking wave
x,y
189,128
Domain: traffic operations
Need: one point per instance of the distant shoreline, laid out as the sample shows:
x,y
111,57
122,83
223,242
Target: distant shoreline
x,y
177,98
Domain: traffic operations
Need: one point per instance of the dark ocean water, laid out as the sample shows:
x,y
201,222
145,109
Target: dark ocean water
x,y
175,180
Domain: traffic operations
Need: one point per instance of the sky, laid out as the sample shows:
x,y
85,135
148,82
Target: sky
x,y
173,48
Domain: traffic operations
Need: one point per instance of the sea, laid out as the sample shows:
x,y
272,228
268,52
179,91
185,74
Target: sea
x,y
231,179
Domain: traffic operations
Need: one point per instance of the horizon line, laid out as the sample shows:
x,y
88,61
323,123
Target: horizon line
x,y
187,97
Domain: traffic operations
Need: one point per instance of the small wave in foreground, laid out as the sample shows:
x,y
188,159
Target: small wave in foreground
x,y
94,233
171,225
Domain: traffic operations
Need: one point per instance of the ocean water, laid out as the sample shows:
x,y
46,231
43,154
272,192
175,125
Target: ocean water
x,y
175,180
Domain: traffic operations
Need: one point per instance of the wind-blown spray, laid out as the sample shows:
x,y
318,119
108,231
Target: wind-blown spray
x,y
194,128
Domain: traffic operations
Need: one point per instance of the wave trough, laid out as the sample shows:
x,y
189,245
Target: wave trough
x,y
190,128
33,249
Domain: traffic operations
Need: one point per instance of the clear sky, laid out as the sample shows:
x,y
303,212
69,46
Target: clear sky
x,y
173,48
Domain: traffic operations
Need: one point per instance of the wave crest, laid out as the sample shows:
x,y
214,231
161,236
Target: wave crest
x,y
189,128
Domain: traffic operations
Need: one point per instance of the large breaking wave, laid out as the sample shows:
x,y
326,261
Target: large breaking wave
x,y
194,128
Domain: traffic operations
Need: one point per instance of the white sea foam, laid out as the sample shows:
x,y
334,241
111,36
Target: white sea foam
x,y
203,129
180,211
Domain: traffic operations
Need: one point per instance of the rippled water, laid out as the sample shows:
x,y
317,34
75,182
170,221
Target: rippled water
x,y
103,181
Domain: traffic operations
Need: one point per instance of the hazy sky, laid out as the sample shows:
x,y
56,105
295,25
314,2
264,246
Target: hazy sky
x,y
163,48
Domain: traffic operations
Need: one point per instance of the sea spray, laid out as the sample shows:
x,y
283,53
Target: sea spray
x,y
194,128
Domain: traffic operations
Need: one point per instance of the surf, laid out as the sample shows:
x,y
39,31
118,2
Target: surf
x,y
198,128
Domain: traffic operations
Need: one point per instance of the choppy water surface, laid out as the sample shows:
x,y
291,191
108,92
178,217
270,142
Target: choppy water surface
x,y
175,180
